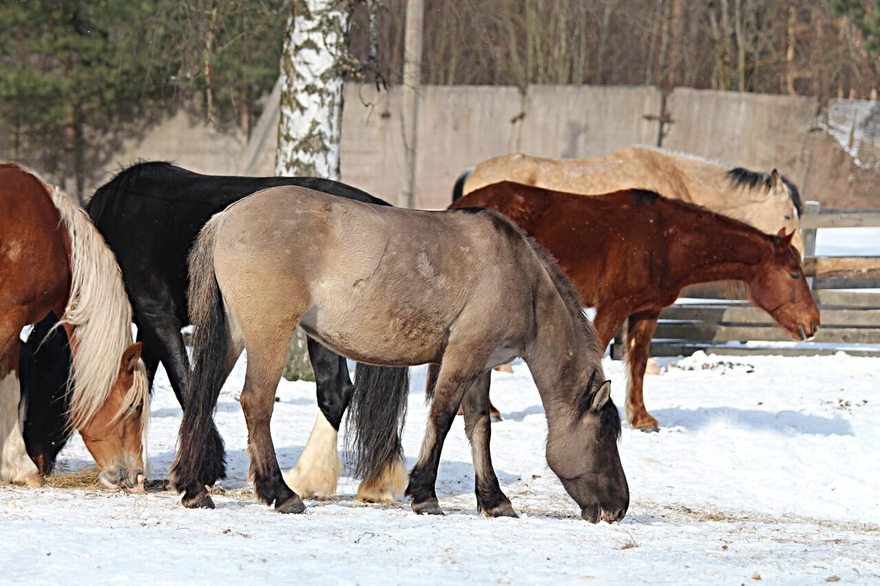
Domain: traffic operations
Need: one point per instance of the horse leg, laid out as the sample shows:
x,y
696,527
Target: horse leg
x,y
638,344
15,464
265,364
478,427
149,358
317,470
163,343
458,370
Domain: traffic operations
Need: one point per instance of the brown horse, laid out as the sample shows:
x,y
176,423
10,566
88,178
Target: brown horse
x,y
767,201
53,259
630,253
394,287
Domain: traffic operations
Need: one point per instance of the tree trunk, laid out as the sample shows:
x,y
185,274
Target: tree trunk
x,y
312,65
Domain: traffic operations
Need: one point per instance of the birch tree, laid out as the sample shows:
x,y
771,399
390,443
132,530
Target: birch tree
x,y
313,61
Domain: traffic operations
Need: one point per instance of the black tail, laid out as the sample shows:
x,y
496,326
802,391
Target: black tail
x,y
201,456
375,418
458,188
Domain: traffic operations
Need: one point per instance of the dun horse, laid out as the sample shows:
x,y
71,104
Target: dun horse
x,y
630,253
150,214
415,287
767,201
53,259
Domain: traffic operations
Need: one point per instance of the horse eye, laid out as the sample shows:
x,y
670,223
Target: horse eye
x,y
795,275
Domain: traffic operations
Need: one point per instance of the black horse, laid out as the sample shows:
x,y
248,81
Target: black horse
x,y
150,215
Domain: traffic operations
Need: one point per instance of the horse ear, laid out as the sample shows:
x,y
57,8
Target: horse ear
x,y
774,180
601,397
784,240
130,356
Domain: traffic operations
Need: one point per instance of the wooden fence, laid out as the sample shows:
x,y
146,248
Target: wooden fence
x,y
850,316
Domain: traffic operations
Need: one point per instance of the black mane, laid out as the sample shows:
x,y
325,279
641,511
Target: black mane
x,y
741,177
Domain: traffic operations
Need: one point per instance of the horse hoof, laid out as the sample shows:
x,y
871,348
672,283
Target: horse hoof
x,y
34,481
649,428
292,505
502,510
430,507
495,418
200,501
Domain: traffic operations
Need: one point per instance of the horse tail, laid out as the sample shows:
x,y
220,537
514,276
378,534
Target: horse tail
x,y
375,419
201,455
458,188
431,382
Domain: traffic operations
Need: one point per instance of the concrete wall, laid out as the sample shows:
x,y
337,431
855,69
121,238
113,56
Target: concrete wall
x,y
462,125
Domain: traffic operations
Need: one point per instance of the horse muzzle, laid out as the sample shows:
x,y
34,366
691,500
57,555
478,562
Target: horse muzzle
x,y
596,513
808,334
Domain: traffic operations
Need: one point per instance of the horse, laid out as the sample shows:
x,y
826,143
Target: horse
x,y
150,214
416,287
630,253
53,259
767,201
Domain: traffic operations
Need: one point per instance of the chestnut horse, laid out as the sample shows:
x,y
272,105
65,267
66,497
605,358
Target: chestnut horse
x,y
767,201
414,287
630,253
53,259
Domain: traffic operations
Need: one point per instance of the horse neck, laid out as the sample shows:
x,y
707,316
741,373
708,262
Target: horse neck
x,y
559,351
732,252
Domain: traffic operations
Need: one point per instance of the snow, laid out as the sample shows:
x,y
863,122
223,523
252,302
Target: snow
x,y
765,466
854,125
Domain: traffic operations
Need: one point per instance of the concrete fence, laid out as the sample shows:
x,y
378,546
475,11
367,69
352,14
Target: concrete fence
x,y
459,126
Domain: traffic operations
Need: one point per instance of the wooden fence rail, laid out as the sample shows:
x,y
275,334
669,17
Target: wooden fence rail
x,y
850,319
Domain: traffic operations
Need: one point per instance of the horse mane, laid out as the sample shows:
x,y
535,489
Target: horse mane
x,y
100,311
742,177
609,417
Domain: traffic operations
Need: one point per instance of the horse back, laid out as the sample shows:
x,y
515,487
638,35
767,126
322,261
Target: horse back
x,y
151,213
362,276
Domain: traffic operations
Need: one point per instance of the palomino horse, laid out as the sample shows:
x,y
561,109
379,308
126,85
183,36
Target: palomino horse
x,y
766,201
415,287
150,215
630,253
53,259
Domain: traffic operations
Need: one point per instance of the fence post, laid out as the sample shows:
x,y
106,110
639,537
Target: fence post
x,y
810,208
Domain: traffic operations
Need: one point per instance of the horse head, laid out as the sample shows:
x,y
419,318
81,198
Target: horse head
x,y
583,454
780,288
115,434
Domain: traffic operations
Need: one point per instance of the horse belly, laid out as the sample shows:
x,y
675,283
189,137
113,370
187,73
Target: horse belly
x,y
375,331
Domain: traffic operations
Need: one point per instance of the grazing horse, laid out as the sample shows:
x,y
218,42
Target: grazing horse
x,y
415,287
53,259
767,201
150,214
630,253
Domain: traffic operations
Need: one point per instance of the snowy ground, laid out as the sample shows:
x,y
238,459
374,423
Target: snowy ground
x,y
766,467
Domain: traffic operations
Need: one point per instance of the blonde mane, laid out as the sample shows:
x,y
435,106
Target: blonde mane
x,y
99,309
